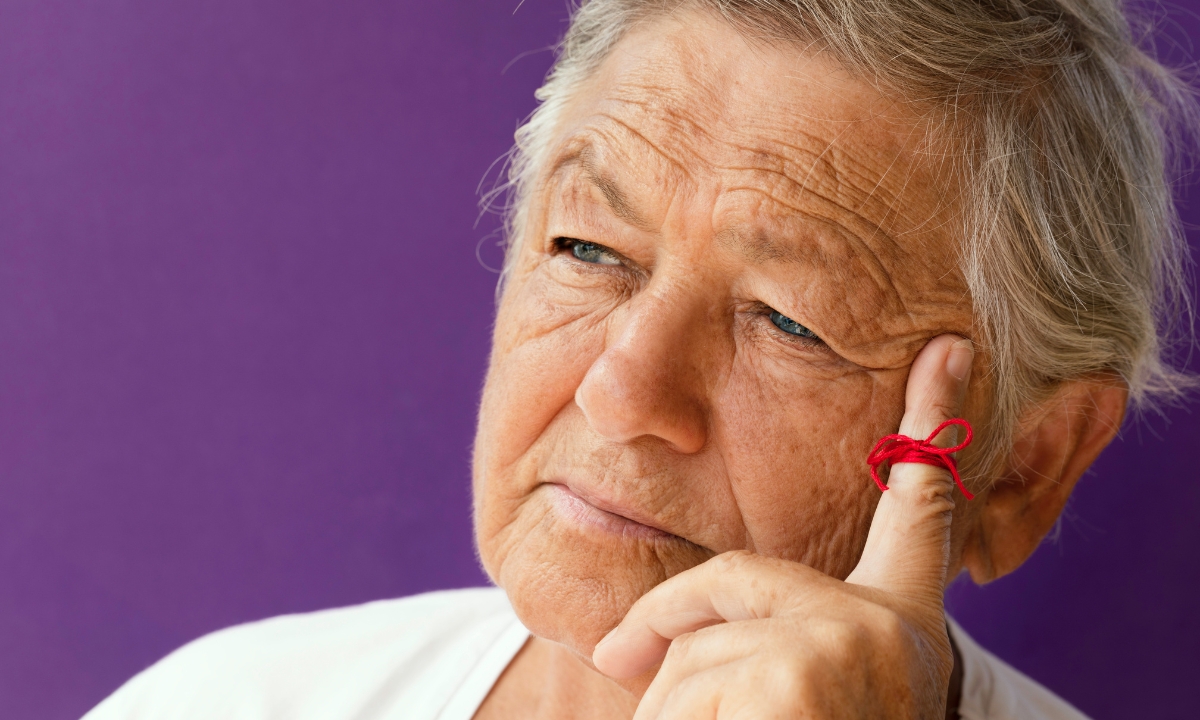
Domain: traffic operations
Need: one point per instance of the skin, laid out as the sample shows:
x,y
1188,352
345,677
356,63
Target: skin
x,y
656,455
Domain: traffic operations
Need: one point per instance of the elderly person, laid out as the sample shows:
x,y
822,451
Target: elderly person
x,y
749,239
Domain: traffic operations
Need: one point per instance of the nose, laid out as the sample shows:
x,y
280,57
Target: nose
x,y
649,380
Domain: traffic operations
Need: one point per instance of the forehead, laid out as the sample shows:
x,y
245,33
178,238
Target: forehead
x,y
688,99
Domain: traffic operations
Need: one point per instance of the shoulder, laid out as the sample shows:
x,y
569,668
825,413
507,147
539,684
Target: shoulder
x,y
995,690
358,661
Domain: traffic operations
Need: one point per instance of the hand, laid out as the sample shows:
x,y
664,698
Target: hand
x,y
746,636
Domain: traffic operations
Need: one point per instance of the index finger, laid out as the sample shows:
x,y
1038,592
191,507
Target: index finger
x,y
730,587
908,545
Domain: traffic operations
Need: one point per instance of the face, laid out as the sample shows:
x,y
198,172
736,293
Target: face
x,y
733,254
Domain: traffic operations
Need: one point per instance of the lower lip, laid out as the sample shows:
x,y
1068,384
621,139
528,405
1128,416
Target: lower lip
x,y
584,513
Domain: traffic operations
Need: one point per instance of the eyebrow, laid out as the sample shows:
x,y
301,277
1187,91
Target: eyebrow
x,y
757,247
616,198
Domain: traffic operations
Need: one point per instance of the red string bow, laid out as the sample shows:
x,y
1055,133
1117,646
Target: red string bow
x,y
903,449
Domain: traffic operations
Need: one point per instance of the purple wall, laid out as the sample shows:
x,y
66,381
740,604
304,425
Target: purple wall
x,y
243,328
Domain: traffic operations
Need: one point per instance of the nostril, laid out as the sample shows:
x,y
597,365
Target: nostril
x,y
623,399
606,401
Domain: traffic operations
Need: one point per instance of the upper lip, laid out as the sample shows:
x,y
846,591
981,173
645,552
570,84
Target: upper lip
x,y
612,507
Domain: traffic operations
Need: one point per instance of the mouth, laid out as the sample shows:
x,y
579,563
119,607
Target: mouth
x,y
595,512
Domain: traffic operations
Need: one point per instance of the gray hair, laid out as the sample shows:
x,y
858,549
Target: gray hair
x,y
1063,125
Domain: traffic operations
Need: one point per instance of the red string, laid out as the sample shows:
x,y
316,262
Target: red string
x,y
903,449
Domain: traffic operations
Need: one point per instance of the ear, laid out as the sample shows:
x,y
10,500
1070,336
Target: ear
x,y
1056,442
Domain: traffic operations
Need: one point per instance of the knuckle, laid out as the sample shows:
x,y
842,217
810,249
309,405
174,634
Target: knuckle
x,y
933,411
846,641
793,678
926,488
892,634
942,408
890,627
680,648
694,696
875,630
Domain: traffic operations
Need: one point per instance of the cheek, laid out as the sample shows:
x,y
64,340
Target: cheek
x,y
795,447
546,337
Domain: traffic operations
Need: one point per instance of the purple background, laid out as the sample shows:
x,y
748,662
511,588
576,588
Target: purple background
x,y
243,327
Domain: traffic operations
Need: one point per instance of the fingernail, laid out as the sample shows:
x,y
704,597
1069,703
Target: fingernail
x,y
607,637
958,360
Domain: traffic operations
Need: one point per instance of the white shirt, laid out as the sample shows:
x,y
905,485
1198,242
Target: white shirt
x,y
427,657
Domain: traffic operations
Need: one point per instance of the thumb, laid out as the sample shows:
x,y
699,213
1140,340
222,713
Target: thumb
x,y
908,546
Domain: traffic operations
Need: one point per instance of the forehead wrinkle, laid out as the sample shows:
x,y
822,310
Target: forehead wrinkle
x,y
688,86
676,129
775,172
777,190
866,228
829,170
882,280
762,248
617,200
587,151
890,208
893,208
830,165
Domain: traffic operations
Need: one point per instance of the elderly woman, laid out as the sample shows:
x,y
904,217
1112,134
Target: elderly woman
x,y
749,239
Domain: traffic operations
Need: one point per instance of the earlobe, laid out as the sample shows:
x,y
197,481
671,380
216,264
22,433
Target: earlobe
x,y
1056,443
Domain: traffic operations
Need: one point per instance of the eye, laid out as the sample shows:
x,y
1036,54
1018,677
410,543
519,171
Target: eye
x,y
791,327
590,252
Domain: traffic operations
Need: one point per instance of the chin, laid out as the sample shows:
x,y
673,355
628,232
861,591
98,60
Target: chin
x,y
572,584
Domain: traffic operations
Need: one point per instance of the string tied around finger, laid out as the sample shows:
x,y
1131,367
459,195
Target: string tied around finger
x,y
898,448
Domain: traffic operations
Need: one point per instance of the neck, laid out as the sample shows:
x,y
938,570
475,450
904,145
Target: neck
x,y
546,681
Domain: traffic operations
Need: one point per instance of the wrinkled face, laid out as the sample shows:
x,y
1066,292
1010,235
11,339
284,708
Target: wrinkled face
x,y
732,257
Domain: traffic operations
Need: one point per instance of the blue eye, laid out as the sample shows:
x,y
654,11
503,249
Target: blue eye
x,y
791,327
593,253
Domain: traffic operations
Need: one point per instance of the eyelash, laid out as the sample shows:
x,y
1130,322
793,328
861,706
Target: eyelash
x,y
566,244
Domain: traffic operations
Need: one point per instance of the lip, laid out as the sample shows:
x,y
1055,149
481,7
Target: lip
x,y
592,511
